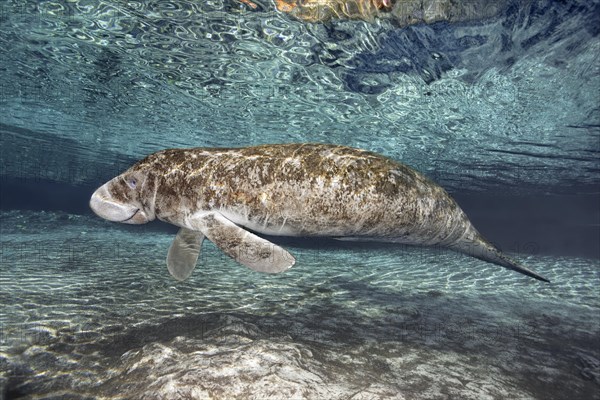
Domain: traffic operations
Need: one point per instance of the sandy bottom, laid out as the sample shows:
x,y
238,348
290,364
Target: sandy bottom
x,y
88,310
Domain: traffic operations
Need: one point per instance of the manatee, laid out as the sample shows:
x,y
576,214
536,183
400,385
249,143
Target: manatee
x,y
229,195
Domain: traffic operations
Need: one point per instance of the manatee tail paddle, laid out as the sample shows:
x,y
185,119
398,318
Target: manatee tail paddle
x,y
483,250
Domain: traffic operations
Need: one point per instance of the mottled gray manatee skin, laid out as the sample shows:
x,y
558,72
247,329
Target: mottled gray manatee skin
x,y
306,190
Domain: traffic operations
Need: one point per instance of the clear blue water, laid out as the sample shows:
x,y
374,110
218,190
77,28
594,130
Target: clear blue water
x,y
503,112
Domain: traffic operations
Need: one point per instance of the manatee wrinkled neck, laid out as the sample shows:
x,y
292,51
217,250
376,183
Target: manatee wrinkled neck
x,y
152,196
170,200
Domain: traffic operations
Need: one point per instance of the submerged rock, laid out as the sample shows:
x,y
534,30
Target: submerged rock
x,y
589,367
402,12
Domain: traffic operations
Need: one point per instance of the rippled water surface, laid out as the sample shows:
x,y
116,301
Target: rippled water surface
x,y
503,105
504,99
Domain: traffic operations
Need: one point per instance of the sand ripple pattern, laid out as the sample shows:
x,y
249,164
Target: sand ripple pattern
x,y
89,309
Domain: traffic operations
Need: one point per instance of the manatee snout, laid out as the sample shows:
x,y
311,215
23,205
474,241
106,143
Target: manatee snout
x,y
104,204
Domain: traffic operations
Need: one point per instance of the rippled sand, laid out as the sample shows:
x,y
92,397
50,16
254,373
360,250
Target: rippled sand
x,y
89,310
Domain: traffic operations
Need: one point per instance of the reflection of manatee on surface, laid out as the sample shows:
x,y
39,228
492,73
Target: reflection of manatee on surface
x,y
402,12
305,190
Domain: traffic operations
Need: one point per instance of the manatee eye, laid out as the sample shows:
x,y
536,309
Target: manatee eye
x,y
132,182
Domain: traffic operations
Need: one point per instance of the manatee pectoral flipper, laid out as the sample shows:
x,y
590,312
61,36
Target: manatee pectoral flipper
x,y
183,253
245,247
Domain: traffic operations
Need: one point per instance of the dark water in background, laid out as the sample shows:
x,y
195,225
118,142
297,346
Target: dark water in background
x,y
502,112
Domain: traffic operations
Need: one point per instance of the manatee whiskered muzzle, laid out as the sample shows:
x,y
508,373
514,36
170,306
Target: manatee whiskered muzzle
x,y
104,205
